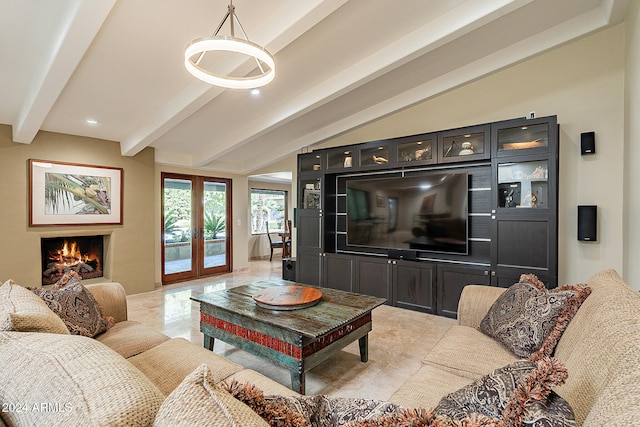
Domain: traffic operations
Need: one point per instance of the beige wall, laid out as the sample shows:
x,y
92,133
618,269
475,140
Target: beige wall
x,y
583,84
130,245
632,139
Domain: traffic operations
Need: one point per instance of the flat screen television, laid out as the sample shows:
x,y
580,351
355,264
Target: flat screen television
x,y
421,212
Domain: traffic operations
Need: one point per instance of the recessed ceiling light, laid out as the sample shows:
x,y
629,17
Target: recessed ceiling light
x,y
255,91
92,121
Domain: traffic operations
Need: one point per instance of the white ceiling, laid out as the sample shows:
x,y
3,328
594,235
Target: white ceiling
x,y
339,64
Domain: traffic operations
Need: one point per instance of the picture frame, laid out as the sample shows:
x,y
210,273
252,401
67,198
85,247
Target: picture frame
x,y
63,194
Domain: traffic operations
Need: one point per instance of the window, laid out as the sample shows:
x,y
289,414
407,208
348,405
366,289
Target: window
x,y
271,206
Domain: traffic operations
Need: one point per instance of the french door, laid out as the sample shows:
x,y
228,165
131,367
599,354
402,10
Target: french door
x,y
196,239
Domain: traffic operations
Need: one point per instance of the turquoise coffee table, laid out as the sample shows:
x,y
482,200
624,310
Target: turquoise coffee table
x,y
295,339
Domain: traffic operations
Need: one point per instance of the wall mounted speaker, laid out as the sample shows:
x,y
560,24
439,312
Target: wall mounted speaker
x,y
588,143
588,223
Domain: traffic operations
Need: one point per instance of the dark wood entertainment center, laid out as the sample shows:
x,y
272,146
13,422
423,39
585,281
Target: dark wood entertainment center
x,y
512,209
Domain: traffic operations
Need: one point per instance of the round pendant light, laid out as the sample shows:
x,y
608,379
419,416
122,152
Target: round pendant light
x,y
196,50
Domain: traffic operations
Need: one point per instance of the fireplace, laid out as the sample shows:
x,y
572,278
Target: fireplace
x,y
82,254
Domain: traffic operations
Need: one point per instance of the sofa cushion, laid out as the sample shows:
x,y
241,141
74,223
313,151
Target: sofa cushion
x,y
526,315
70,380
130,338
467,352
77,308
518,394
426,387
167,364
21,310
265,384
197,401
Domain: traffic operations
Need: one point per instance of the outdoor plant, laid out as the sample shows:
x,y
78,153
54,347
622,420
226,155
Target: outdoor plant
x,y
214,224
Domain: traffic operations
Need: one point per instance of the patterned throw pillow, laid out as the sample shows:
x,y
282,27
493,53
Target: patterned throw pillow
x,y
528,318
77,308
517,394
313,410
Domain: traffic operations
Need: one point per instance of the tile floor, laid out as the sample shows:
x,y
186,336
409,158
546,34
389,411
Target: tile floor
x,y
397,344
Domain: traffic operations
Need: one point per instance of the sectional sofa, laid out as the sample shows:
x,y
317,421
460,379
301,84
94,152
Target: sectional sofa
x,y
123,376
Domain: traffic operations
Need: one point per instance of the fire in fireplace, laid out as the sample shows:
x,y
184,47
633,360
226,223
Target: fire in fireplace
x,y
61,255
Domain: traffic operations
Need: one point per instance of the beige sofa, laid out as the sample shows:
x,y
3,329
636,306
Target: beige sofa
x,y
119,378
123,376
600,348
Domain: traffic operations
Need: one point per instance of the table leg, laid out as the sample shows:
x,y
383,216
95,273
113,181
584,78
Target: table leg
x,y
208,342
297,381
364,348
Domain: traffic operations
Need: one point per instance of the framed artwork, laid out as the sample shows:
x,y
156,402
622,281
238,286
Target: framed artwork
x,y
74,194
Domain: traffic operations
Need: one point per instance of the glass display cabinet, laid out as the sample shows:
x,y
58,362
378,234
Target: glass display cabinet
x,y
461,145
412,151
340,159
523,137
375,155
523,184
310,163
311,190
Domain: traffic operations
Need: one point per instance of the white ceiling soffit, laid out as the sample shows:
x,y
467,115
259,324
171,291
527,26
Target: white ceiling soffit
x,y
339,64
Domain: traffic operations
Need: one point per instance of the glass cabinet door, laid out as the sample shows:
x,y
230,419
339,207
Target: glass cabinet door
x,y
310,188
523,184
310,162
461,145
375,155
413,151
340,159
524,136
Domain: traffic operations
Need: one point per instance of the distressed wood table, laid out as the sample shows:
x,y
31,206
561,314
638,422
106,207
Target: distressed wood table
x,y
295,339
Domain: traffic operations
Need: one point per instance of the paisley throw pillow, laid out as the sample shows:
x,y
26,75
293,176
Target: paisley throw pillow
x,y
528,318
